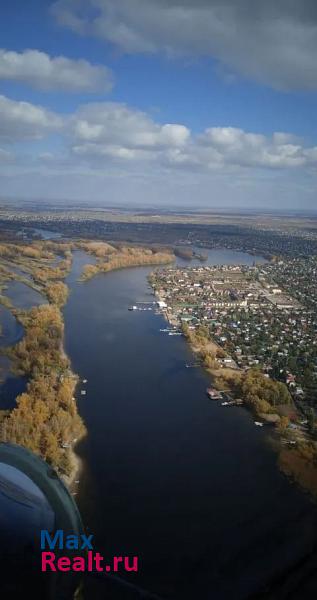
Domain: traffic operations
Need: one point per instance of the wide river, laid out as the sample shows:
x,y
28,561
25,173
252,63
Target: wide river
x,y
190,487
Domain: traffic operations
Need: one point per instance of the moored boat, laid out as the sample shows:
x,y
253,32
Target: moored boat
x,y
213,394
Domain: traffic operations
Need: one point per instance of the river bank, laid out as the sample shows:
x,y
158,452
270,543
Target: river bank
x,y
39,358
49,398
168,475
125,257
268,400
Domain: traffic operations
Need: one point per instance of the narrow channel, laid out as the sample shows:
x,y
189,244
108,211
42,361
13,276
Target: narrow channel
x,y
10,385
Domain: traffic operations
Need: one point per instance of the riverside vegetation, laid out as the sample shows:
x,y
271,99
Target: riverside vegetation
x,y
262,394
110,258
45,418
269,400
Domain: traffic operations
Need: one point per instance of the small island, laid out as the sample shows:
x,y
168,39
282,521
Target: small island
x,y
45,417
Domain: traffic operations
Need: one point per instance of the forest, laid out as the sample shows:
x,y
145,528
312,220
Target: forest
x,y
45,419
124,257
262,394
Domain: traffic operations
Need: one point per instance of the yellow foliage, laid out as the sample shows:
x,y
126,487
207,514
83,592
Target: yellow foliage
x,y
127,257
45,417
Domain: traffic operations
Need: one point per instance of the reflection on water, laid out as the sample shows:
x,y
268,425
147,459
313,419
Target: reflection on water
x,y
23,296
80,259
191,488
10,385
11,330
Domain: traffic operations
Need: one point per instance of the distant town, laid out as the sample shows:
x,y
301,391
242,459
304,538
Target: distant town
x,y
267,235
251,326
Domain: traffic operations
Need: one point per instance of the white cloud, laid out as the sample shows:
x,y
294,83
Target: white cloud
x,y
108,134
25,121
111,130
106,131
237,147
43,72
273,42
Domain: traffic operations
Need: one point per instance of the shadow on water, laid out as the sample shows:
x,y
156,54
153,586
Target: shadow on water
x,y
23,297
189,487
10,385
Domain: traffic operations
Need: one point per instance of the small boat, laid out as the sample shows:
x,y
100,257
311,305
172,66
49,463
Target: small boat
x,y
258,423
213,394
83,392
175,333
85,380
232,403
133,307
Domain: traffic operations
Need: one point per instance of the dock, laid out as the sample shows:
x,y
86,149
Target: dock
x,y
232,403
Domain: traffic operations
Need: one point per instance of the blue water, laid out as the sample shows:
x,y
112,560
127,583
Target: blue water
x,y
23,296
222,256
192,488
10,385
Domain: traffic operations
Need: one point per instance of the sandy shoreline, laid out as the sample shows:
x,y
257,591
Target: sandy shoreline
x,y
77,468
77,463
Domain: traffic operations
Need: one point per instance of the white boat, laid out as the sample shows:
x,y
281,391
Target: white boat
x,y
85,380
258,423
83,392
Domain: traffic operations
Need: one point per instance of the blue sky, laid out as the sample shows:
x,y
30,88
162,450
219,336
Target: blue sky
x,y
178,103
